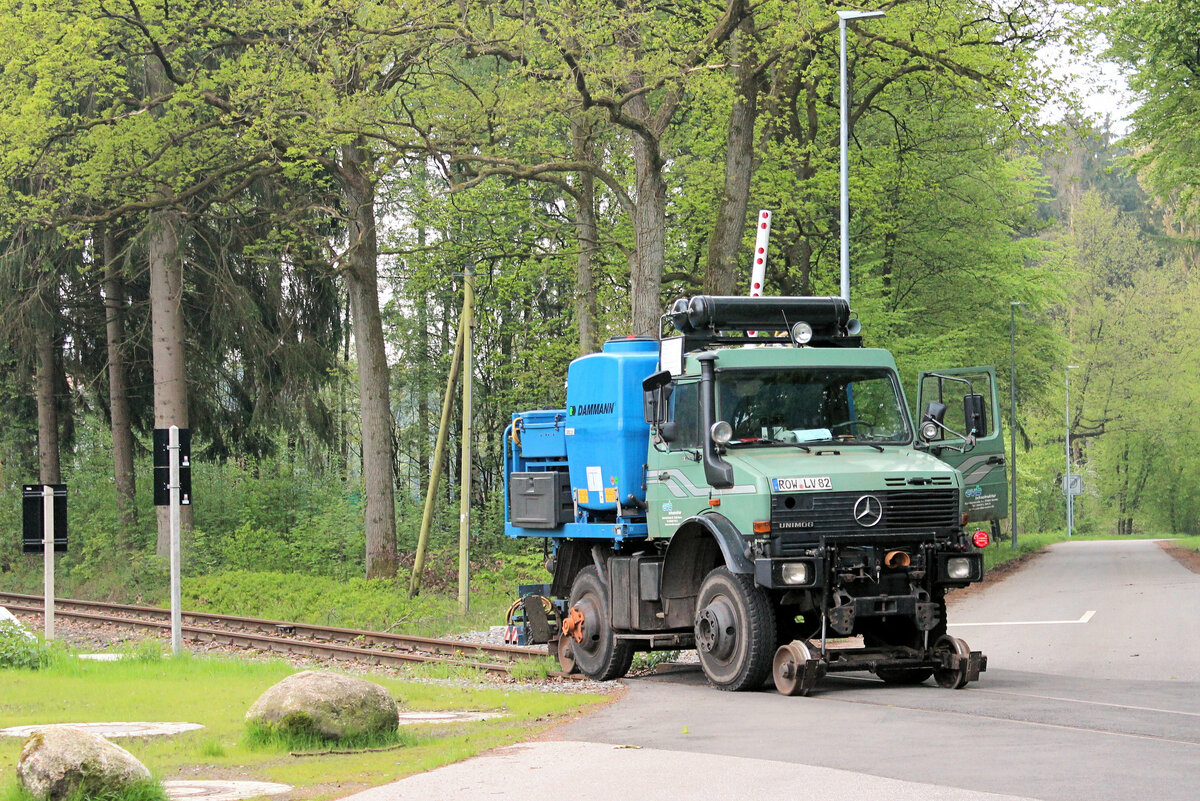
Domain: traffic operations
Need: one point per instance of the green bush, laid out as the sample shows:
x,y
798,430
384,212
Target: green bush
x,y
20,649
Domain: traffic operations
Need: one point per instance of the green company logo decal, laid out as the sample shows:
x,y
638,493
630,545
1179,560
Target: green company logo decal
x,y
591,408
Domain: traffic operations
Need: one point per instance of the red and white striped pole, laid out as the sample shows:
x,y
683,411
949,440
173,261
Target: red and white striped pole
x,y
758,269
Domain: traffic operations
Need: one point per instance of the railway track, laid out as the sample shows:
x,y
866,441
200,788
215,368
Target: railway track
x,y
380,648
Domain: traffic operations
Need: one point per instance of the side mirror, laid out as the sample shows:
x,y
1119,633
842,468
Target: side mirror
x,y
656,391
931,424
975,413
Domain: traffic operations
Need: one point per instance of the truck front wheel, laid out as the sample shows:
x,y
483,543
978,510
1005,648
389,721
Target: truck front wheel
x,y
735,631
597,653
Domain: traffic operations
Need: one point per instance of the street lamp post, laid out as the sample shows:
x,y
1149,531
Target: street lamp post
x,y
1012,415
1067,485
845,259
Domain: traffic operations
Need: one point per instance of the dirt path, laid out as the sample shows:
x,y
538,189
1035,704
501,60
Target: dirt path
x,y
1184,556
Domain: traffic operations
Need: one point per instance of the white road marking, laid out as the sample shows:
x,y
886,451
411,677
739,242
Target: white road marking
x,y
1020,722
1092,703
975,690
1083,619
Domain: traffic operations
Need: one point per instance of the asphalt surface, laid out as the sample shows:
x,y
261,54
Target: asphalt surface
x,y
1092,693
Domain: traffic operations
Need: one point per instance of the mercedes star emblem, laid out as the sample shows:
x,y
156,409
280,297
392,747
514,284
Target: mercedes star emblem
x,y
868,511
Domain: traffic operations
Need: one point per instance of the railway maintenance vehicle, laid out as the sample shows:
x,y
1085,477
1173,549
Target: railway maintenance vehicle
x,y
753,487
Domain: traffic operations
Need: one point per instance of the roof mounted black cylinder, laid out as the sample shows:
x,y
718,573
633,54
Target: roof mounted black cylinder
x,y
828,316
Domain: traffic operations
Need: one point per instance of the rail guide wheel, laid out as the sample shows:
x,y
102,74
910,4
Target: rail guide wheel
x,y
958,665
566,654
795,669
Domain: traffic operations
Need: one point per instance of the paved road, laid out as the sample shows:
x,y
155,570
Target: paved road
x,y
1092,694
1142,610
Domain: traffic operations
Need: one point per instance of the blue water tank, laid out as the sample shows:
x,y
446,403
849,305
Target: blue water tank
x,y
606,432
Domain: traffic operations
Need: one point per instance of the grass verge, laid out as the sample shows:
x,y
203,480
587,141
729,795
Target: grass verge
x,y
1190,543
141,791
376,605
216,692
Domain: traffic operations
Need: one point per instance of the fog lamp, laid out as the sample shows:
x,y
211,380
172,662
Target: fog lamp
x,y
721,432
958,568
796,573
929,431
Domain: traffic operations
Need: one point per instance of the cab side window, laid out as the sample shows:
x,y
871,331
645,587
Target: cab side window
x,y
951,393
685,413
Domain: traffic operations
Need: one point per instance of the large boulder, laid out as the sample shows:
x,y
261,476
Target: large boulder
x,y
60,761
328,705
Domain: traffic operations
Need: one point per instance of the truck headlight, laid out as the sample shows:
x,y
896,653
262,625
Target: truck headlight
x,y
958,568
796,573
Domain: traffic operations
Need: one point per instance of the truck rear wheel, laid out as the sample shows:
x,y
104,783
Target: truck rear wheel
x,y
597,653
735,631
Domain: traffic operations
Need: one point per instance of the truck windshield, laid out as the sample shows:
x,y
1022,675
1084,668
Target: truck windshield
x,y
812,405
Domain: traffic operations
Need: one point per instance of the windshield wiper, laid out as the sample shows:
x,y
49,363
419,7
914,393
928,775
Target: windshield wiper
x,y
753,442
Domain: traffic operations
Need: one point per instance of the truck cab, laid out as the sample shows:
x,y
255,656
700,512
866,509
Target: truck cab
x,y
764,497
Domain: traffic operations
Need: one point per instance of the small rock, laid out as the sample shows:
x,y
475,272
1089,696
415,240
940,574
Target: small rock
x,y
328,705
60,761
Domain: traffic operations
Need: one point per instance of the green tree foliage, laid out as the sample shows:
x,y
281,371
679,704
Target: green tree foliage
x,y
1158,43
1131,311
328,172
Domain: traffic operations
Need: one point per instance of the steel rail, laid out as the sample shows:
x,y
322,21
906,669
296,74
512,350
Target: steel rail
x,y
281,636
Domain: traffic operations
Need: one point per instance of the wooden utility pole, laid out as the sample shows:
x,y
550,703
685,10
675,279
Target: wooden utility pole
x,y
462,361
435,471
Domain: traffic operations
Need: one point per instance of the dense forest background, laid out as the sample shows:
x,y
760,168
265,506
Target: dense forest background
x,y
254,218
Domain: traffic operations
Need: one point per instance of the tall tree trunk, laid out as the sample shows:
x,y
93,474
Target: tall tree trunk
x,y
118,393
720,271
49,471
649,233
799,256
424,421
165,257
373,377
167,342
343,454
588,237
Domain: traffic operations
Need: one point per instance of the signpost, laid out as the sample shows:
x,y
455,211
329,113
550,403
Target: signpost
x,y
44,529
162,466
48,558
173,488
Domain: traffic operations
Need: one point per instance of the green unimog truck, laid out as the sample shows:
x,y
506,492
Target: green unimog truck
x,y
754,487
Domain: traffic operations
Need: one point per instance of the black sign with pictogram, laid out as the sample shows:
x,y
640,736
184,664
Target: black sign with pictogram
x,y
162,467
33,519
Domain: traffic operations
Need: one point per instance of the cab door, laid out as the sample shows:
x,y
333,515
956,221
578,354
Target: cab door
x,y
985,477
676,487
